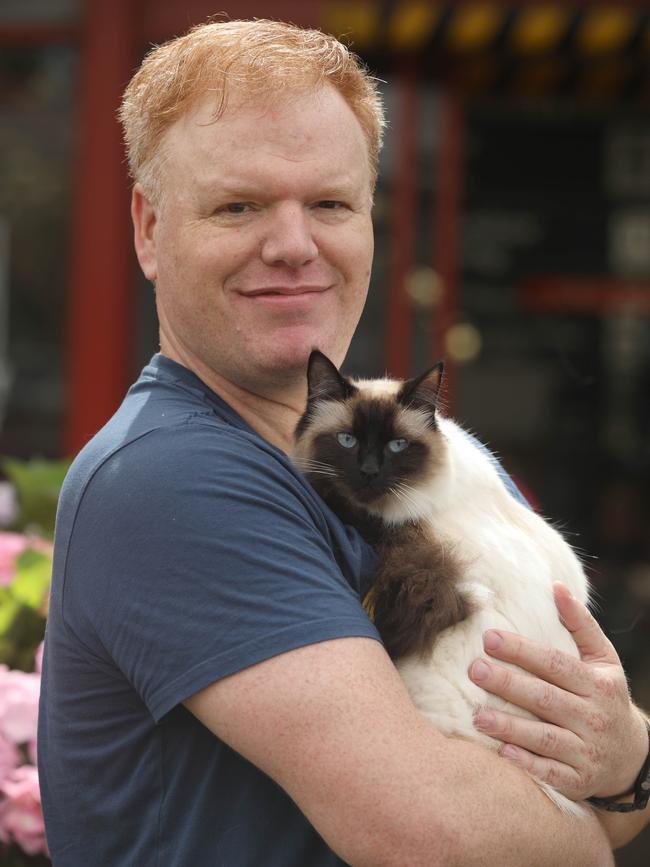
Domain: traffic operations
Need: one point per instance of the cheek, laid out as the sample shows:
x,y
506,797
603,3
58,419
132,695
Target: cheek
x,y
209,256
350,248
234,250
362,251
413,464
329,452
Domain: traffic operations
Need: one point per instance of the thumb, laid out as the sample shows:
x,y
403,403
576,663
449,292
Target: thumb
x,y
592,643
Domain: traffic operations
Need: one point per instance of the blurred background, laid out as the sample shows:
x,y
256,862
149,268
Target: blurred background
x,y
512,224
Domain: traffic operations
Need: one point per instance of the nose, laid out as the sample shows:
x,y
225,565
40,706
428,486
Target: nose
x,y
369,466
289,239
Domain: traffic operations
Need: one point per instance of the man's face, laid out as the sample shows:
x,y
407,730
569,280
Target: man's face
x,y
263,245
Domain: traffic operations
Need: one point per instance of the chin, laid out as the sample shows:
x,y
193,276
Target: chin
x,y
293,354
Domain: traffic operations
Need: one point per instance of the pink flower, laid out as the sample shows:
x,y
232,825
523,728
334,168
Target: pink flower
x,y
10,757
21,817
19,692
11,546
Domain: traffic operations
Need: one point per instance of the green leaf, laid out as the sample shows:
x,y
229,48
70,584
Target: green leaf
x,y
23,629
37,484
8,609
33,576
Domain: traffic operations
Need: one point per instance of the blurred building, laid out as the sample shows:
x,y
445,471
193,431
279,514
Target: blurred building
x,y
513,238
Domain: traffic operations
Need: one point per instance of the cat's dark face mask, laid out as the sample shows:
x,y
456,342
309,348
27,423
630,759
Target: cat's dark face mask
x,y
378,445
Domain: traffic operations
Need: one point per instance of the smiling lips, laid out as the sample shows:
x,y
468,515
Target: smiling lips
x,y
289,291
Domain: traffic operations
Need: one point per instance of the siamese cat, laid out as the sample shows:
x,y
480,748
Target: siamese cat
x,y
457,552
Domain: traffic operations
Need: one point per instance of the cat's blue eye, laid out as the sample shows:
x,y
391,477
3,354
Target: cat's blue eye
x,y
346,440
397,446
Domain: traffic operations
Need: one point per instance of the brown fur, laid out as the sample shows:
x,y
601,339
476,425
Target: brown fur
x,y
415,594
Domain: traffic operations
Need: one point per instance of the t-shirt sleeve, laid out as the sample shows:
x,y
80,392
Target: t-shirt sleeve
x,y
196,554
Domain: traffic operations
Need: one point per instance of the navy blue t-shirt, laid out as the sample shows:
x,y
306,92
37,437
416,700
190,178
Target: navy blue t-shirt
x,y
187,548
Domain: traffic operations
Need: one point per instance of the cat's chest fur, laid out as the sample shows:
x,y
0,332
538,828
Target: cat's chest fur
x,y
506,547
506,558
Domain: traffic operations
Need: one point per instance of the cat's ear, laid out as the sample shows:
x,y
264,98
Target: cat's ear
x,y
324,381
422,391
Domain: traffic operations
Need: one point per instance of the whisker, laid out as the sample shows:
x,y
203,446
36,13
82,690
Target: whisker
x,y
310,462
310,466
406,492
406,500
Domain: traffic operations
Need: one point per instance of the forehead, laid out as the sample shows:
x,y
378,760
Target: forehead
x,y
373,409
314,134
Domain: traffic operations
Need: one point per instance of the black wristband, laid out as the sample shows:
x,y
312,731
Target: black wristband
x,y
640,790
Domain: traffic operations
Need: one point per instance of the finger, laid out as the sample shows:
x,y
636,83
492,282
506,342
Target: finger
x,y
544,700
593,644
537,737
562,777
549,663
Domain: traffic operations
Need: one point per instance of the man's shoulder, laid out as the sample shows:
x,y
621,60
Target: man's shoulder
x,y
168,430
191,459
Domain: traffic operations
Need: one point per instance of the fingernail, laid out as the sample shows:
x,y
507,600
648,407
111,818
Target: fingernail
x,y
480,670
483,718
492,640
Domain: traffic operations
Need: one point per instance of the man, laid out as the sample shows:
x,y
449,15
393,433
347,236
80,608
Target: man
x,y
213,690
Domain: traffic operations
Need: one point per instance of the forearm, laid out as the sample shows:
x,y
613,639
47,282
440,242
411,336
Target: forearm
x,y
623,827
512,822
333,725
465,807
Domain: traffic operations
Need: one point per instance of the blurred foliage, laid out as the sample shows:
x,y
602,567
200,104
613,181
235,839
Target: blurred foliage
x,y
23,609
37,483
24,600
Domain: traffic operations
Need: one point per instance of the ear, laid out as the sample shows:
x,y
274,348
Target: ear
x,y
422,392
324,381
144,219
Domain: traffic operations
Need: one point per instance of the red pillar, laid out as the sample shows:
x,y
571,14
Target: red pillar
x,y
448,214
399,326
99,326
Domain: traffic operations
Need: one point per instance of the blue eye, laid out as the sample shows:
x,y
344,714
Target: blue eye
x,y
346,440
397,446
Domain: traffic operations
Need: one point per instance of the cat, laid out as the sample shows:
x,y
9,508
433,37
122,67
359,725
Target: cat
x,y
458,553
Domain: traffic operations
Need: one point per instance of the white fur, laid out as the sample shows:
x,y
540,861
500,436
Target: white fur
x,y
512,556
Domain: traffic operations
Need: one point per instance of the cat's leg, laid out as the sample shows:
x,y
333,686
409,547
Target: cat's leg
x,y
417,594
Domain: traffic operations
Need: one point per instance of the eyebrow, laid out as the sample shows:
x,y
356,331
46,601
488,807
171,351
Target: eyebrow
x,y
340,187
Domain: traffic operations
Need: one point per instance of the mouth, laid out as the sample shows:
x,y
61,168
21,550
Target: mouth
x,y
284,291
369,494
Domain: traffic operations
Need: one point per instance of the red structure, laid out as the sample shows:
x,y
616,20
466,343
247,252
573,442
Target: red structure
x,y
100,313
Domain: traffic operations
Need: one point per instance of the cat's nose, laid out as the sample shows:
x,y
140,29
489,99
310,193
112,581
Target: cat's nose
x,y
369,466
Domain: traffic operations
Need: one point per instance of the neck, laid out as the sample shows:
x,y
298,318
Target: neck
x,y
273,415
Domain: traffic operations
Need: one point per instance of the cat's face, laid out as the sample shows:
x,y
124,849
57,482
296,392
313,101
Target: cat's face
x,y
373,442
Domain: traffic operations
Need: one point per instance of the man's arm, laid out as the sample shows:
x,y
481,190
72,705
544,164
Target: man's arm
x,y
590,739
333,724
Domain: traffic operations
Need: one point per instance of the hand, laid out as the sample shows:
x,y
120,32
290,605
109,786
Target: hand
x,y
589,739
